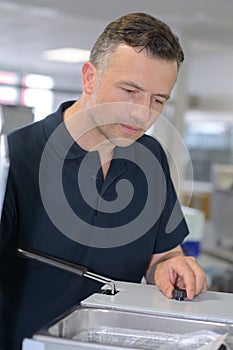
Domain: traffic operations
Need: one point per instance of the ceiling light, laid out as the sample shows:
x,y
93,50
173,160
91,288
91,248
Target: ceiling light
x,y
66,55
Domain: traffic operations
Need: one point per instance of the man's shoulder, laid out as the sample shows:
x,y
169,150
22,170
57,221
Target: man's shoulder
x,y
152,144
26,136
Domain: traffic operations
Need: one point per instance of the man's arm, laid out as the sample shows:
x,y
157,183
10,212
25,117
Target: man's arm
x,y
172,269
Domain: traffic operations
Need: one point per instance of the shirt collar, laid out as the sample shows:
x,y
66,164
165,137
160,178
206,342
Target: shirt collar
x,y
63,143
59,137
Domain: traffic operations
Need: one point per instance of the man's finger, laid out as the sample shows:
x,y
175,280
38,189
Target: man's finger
x,y
200,276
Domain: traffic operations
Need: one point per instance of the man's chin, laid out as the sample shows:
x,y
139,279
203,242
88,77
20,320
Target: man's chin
x,y
123,142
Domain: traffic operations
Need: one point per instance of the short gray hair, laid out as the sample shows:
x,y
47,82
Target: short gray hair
x,y
138,30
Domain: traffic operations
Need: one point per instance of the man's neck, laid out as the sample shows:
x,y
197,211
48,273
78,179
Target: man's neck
x,y
87,136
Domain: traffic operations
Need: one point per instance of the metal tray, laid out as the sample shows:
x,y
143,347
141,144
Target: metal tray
x,y
113,328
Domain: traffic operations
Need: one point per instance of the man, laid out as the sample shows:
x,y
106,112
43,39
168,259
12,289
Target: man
x,y
63,197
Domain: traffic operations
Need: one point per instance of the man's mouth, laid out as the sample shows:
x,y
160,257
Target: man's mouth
x,y
130,129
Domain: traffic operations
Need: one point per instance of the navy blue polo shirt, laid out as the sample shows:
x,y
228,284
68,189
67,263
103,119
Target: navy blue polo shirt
x,y
112,225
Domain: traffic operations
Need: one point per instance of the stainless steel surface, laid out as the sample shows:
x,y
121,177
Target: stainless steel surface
x,y
114,327
75,269
102,279
208,306
139,316
92,318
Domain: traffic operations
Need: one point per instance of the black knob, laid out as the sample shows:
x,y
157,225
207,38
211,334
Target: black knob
x,y
179,294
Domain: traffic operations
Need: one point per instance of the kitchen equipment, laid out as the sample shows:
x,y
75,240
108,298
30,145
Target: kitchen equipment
x,y
75,269
139,316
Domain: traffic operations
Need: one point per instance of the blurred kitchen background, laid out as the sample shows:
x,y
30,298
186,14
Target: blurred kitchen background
x,y
42,46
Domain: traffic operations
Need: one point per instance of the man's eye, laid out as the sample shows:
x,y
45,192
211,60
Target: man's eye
x,y
159,102
128,91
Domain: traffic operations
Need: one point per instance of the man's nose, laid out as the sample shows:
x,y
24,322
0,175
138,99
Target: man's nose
x,y
143,100
140,113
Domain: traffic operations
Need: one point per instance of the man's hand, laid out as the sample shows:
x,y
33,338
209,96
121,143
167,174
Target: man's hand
x,y
174,270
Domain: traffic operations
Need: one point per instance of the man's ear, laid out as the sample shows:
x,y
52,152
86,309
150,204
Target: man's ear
x,y
88,77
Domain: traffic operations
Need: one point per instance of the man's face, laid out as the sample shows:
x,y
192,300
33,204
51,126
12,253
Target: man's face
x,y
137,87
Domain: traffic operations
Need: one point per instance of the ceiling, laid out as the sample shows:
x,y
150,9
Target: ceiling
x,y
27,28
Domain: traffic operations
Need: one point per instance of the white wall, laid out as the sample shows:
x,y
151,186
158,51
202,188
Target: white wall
x,y
210,78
